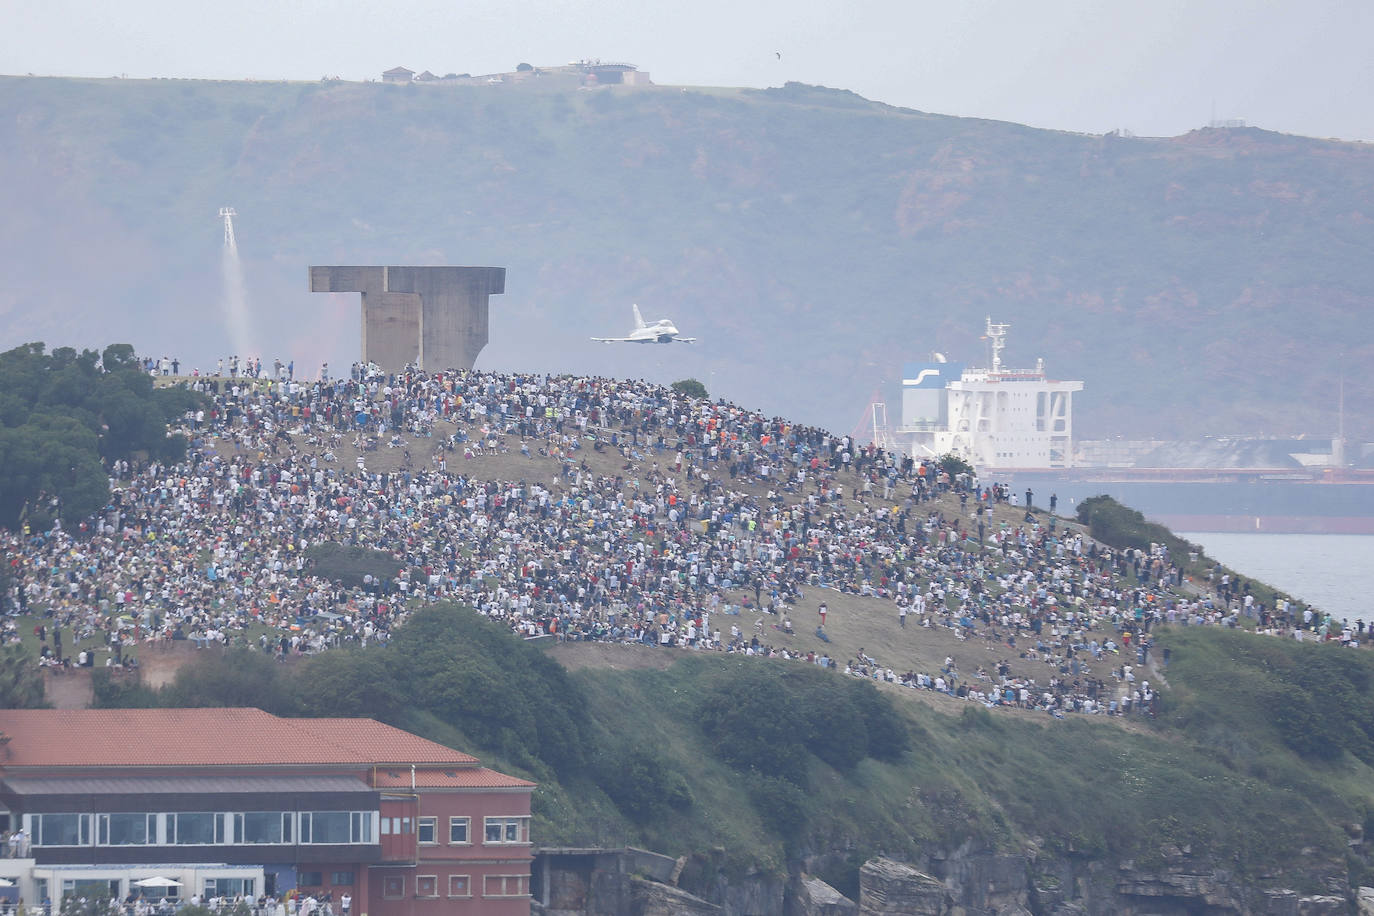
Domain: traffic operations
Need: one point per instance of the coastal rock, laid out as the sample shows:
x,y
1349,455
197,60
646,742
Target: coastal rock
x,y
649,898
981,882
1364,901
813,897
1212,889
888,888
632,895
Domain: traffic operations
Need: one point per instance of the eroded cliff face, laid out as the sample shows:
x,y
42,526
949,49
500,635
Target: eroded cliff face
x,y
966,881
972,882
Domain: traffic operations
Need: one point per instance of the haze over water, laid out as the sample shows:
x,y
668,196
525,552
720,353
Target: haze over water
x,y
1328,571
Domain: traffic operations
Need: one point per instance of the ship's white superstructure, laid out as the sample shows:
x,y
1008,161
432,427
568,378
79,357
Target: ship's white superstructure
x,y
996,418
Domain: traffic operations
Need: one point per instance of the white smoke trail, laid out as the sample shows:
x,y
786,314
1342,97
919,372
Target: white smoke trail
x,y
236,317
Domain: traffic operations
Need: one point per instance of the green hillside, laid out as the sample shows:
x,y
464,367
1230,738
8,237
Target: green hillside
x,y
1212,283
747,764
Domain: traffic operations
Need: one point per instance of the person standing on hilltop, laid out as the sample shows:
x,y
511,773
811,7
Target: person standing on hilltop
x,y
822,611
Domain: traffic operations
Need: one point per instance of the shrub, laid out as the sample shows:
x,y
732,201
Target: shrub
x,y
755,723
781,804
889,737
690,387
768,717
499,690
1121,526
953,465
348,565
644,785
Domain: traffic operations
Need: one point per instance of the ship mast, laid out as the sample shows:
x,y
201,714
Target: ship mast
x,y
997,338
1338,444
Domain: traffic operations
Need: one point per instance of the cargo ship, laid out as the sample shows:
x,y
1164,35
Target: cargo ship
x,y
1015,426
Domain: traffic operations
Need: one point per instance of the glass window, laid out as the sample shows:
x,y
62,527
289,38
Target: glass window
x,y
458,829
310,878
426,886
125,829
229,887
427,830
264,827
459,886
506,886
393,887
341,878
323,827
193,828
99,888
327,827
503,830
61,830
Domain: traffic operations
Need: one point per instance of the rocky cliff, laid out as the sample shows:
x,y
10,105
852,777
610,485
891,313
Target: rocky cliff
x,y
962,882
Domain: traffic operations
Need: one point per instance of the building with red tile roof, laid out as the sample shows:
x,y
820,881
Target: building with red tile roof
x,y
234,802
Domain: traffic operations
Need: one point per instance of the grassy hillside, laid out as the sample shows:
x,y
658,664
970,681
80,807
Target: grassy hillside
x,y
1205,284
770,761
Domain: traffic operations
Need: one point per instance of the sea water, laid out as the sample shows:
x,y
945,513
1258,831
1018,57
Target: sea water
x,y
1331,572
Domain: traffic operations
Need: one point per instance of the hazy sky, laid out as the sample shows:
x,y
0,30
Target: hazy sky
x,y
1156,67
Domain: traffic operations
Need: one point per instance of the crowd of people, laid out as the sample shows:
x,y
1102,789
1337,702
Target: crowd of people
x,y
167,903
619,511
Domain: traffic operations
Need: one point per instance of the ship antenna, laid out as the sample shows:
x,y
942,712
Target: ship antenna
x,y
997,337
1338,447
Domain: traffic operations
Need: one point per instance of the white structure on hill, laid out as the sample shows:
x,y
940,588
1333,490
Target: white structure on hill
x,y
996,418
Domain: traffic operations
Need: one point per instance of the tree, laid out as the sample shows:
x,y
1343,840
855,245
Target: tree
x,y
953,465
21,683
61,413
523,68
240,677
642,782
755,722
690,387
348,682
498,690
49,468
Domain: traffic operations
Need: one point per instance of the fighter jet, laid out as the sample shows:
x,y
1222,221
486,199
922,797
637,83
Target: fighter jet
x,y
661,331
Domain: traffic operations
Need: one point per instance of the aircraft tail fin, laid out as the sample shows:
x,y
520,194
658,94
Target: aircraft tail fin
x,y
639,319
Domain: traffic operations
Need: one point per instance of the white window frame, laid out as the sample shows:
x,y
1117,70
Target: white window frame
x,y
102,828
433,896
467,878
174,831
433,824
522,830
83,830
503,879
467,831
360,828
401,895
